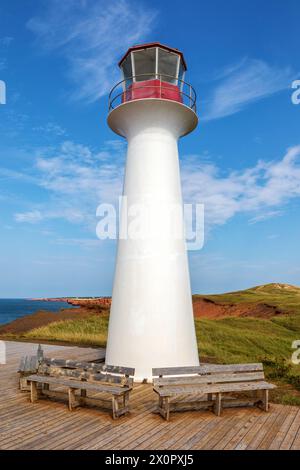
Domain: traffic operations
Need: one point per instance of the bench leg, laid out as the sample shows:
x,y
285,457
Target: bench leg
x,y
34,394
83,396
125,399
73,403
218,404
160,402
209,396
115,407
167,408
125,408
46,387
24,387
265,400
164,407
125,404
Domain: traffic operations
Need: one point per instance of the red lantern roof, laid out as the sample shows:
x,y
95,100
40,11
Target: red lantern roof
x,y
153,44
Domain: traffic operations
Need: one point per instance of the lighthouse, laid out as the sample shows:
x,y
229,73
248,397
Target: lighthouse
x,y
151,320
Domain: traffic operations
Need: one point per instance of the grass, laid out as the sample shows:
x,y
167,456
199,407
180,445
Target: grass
x,y
234,340
91,331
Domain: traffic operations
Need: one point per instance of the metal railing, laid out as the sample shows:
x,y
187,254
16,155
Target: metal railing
x,y
129,88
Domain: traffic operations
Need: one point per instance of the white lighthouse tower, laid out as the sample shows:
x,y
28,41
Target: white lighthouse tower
x,y
151,321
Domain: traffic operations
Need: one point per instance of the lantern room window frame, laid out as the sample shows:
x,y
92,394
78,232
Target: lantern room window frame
x,y
175,79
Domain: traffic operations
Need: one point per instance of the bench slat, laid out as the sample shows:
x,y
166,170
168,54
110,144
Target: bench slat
x,y
84,375
205,379
235,368
119,370
33,363
70,364
91,366
207,368
213,388
28,364
22,364
78,384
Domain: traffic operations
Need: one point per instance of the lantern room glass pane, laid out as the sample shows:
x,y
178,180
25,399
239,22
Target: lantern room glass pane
x,y
181,70
127,70
167,66
144,64
181,75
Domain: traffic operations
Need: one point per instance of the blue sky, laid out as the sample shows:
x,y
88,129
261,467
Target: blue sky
x,y
59,159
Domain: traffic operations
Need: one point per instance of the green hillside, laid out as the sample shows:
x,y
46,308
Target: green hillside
x,y
284,297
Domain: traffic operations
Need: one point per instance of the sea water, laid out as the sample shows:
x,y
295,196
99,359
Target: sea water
x,y
11,309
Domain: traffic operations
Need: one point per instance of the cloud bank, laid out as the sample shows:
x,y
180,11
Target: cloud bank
x,y
78,178
259,192
242,84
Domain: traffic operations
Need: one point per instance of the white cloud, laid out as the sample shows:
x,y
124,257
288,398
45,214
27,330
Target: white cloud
x,y
245,83
30,217
265,216
260,192
51,128
70,214
90,35
77,179
82,242
76,170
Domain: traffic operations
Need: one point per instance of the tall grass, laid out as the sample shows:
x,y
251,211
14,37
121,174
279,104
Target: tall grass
x,y
236,339
90,331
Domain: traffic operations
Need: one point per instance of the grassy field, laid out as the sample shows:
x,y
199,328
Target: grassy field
x,y
90,331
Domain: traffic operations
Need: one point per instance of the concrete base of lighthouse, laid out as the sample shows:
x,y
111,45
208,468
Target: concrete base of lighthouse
x,y
151,320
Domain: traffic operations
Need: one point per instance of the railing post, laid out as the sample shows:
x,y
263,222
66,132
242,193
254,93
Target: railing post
x,y
160,85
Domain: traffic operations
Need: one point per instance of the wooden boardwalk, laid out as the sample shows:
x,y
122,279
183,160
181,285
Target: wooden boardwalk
x,y
49,425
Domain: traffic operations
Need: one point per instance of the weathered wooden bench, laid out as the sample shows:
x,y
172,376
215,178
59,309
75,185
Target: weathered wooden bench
x,y
85,377
174,384
28,366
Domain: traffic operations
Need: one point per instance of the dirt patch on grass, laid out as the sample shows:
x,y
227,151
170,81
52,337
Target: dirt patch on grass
x,y
204,308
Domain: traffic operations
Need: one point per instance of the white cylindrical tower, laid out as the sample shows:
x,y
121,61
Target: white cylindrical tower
x,y
151,320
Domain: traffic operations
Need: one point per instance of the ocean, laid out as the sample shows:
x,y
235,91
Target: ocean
x,y
11,309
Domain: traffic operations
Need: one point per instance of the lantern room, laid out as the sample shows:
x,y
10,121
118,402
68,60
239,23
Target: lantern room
x,y
154,70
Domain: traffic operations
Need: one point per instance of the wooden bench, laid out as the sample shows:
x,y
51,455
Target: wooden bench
x,y
174,384
85,377
28,366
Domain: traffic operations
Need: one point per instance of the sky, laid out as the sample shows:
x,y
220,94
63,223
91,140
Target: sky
x,y
59,159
